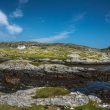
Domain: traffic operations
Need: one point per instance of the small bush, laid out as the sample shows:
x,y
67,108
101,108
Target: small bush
x,y
51,92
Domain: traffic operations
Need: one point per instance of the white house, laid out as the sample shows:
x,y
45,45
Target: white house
x,y
21,47
74,56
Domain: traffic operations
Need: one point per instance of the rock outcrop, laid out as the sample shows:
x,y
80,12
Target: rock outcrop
x,y
40,65
23,98
24,73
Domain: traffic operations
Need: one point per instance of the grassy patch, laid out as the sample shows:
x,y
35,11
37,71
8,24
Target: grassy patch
x,y
90,55
34,107
89,106
51,92
6,107
32,53
58,51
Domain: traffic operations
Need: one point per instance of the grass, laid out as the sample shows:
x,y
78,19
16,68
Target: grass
x,y
90,55
7,107
59,52
32,53
51,92
90,106
34,107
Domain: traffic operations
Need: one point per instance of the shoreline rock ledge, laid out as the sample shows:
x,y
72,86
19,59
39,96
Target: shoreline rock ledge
x,y
23,98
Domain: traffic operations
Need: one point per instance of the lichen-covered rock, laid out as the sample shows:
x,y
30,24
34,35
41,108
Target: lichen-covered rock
x,y
17,65
23,73
75,99
24,98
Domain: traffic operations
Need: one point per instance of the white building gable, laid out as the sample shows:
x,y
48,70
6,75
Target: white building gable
x,y
21,47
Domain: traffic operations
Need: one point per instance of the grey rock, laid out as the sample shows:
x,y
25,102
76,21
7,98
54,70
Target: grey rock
x,y
23,98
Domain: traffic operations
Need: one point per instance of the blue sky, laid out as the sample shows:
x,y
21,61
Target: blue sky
x,y
84,22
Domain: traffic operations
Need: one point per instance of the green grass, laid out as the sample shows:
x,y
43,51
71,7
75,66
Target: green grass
x,y
89,106
59,52
51,92
33,53
34,107
6,107
90,55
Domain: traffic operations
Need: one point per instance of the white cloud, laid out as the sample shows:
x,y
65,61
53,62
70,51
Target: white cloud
x,y
3,19
17,13
51,39
12,28
107,17
79,17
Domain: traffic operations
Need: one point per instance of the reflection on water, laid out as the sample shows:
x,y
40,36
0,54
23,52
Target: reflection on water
x,y
93,86
99,89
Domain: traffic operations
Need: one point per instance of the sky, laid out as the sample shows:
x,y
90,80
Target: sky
x,y
83,22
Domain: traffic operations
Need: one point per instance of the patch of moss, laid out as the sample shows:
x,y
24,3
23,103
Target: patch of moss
x,y
51,92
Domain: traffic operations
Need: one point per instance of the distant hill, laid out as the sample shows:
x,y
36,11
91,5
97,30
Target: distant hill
x,y
51,51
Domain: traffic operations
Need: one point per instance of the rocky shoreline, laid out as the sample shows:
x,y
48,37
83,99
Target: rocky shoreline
x,y
21,74
23,98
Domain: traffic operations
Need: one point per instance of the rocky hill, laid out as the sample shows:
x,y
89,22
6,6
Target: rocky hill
x,y
49,52
25,65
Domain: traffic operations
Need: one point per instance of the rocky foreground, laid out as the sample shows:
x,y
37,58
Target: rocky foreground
x,y
23,71
19,74
23,98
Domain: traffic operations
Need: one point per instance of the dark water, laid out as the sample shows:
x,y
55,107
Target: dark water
x,y
99,89
92,86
